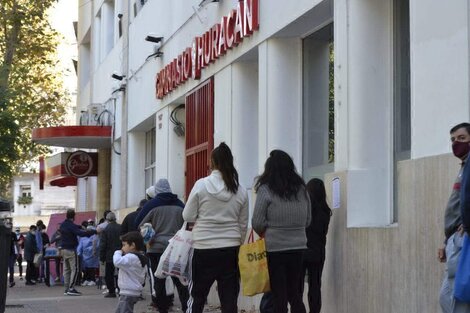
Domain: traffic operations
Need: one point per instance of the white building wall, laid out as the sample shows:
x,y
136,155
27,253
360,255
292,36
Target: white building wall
x,y
223,107
161,155
244,143
85,18
45,202
176,159
439,73
280,98
115,201
136,177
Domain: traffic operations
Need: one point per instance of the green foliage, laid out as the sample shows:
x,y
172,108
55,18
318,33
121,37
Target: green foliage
x,y
31,90
25,200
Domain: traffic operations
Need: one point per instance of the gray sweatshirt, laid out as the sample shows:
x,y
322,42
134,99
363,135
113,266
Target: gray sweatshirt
x,y
283,222
166,220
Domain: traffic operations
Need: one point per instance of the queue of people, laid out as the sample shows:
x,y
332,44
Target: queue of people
x,y
290,215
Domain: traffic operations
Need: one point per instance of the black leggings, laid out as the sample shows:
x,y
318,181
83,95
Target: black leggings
x,y
284,273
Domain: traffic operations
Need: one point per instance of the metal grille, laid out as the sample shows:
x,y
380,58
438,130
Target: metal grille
x,y
199,132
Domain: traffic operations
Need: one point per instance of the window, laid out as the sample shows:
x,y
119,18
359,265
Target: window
x,y
318,103
150,152
25,190
401,91
401,60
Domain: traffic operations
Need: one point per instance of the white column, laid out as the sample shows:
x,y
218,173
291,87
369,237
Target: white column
x,y
280,98
367,101
176,157
161,137
245,120
115,201
136,165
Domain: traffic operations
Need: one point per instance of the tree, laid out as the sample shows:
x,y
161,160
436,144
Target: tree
x,y
31,89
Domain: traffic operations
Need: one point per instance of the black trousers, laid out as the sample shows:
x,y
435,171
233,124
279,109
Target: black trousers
x,y
163,301
30,271
109,277
209,265
20,264
89,274
11,267
314,267
285,275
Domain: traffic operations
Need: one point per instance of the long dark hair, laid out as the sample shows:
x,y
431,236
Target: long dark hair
x,y
280,175
316,191
222,160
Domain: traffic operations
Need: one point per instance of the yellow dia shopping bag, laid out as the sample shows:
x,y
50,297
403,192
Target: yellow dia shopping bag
x,y
253,265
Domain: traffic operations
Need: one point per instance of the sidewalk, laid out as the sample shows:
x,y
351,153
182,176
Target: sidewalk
x,y
43,299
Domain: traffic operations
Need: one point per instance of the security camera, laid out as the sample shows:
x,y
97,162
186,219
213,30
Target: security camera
x,y
117,76
153,38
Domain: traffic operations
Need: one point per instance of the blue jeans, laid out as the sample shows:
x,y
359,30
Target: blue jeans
x,y
446,296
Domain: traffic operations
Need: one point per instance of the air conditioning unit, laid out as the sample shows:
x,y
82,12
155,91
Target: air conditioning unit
x,y
95,116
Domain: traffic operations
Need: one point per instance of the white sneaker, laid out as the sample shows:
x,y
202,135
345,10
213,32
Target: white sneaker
x,y
106,291
91,283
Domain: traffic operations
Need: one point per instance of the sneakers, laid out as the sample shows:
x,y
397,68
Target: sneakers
x,y
65,292
12,284
73,292
30,283
21,277
57,279
91,283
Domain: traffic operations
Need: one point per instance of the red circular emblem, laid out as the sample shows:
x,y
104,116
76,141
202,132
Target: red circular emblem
x,y
79,164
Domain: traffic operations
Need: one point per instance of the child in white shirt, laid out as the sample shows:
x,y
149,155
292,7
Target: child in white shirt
x,y
132,264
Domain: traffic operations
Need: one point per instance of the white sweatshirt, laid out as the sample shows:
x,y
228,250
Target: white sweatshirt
x,y
220,216
131,273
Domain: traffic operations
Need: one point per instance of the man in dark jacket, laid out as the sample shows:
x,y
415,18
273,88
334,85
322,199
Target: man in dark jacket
x,y
128,224
110,242
69,231
30,249
14,250
166,218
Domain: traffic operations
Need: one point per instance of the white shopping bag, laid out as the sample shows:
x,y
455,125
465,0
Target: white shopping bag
x,y
176,259
169,287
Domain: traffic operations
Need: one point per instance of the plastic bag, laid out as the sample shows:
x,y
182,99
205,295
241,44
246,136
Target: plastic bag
x,y
169,287
462,276
253,264
37,259
176,259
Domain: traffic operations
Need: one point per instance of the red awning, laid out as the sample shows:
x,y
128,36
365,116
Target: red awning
x,y
85,137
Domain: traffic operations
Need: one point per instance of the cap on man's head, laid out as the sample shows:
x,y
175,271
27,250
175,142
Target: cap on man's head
x,y
162,186
111,216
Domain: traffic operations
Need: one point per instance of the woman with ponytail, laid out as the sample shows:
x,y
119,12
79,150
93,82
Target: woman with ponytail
x,y
218,206
281,214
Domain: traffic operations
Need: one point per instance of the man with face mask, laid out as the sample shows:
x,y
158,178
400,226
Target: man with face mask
x,y
453,229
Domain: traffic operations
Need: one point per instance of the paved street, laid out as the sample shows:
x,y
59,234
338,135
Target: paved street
x,y
43,299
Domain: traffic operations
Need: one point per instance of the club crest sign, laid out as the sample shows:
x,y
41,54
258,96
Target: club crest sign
x,y
80,164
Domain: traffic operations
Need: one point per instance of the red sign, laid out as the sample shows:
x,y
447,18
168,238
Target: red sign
x,y
80,164
214,43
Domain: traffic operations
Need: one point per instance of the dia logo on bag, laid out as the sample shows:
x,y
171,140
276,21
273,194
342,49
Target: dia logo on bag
x,y
256,256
